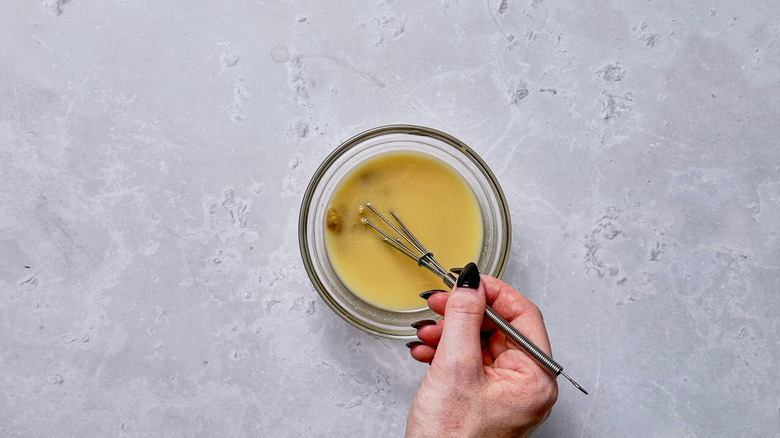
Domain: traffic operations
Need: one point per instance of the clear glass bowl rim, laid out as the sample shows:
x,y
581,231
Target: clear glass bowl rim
x,y
357,140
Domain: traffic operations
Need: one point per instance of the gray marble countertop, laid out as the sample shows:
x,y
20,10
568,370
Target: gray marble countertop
x,y
153,157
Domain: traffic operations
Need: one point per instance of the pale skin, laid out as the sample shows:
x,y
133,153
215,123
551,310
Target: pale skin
x,y
479,383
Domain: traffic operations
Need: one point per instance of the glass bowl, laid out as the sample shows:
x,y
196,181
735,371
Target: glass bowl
x,y
395,138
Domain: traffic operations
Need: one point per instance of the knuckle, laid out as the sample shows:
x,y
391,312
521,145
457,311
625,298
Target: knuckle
x,y
531,312
466,306
546,395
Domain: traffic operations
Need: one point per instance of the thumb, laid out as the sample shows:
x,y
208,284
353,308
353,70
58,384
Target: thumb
x,y
460,347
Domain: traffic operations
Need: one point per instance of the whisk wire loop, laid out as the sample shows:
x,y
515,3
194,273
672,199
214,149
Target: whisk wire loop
x,y
423,257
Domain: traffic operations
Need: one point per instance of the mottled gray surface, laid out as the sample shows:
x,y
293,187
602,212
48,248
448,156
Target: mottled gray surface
x,y
153,157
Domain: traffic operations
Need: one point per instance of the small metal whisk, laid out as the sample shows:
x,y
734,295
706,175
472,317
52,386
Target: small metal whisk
x,y
424,258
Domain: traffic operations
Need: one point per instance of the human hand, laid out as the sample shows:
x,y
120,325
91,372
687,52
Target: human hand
x,y
479,382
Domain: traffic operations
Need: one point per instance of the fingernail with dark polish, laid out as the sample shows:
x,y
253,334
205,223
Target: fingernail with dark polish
x,y
427,294
469,276
412,344
456,270
424,322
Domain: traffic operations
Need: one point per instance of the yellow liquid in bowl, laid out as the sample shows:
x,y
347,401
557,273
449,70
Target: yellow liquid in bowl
x,y
432,200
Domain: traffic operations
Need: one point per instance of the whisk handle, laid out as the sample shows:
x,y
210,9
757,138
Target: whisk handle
x,y
512,333
449,280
